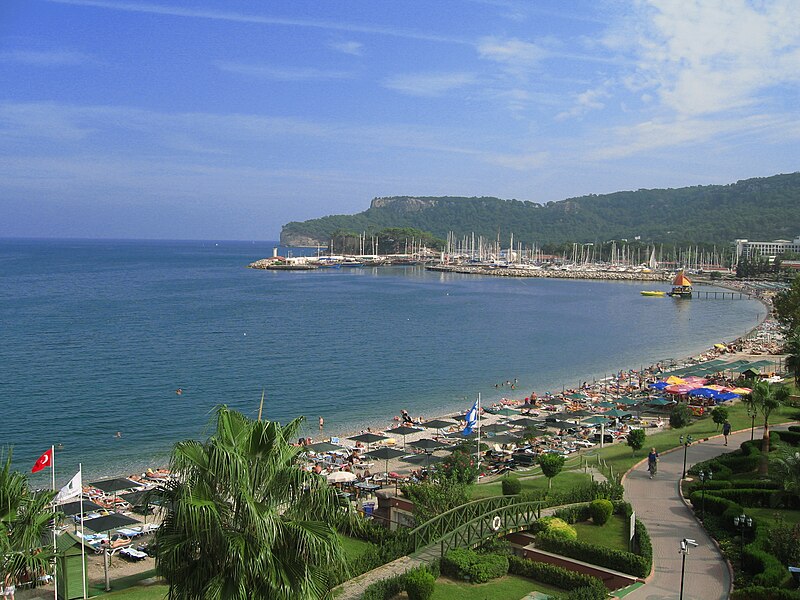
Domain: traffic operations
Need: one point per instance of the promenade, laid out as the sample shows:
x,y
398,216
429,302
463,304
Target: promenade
x,y
658,505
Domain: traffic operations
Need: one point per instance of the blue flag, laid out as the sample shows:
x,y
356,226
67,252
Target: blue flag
x,y
471,419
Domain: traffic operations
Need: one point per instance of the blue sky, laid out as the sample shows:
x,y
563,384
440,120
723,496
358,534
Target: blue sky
x,y
224,120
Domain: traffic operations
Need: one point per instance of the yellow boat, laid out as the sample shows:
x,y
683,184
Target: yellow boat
x,y
653,293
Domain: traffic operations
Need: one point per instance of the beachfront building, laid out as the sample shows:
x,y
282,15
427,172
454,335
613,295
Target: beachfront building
x,y
748,249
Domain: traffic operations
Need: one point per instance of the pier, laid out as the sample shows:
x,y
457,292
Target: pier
x,y
721,295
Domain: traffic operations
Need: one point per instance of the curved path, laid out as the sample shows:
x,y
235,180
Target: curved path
x,y
659,506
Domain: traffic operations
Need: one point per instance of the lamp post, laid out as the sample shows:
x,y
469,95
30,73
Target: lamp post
x,y
686,445
742,522
703,478
686,543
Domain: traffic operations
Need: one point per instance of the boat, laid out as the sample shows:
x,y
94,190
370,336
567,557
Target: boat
x,y
655,293
681,286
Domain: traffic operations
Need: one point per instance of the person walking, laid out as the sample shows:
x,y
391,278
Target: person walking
x,y
652,462
726,430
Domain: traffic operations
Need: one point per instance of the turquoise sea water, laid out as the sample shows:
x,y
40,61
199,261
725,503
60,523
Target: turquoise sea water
x,y
96,336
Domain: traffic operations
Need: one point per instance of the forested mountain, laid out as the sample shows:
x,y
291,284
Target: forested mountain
x,y
760,209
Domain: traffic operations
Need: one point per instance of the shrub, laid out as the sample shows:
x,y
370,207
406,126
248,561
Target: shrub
x,y
419,585
511,486
680,416
456,563
763,593
746,497
601,511
488,566
558,577
627,562
557,528
636,439
573,514
790,437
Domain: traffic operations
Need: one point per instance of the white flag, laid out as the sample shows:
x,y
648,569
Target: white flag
x,y
72,490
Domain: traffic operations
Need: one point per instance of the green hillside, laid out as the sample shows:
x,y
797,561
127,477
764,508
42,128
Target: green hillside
x,y
762,209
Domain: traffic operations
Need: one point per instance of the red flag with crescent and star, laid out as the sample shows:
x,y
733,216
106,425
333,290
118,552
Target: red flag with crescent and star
x,y
45,460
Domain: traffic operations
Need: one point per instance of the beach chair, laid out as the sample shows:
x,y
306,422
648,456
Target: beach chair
x,y
133,554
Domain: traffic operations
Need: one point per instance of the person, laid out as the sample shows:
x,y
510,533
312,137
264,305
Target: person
x,y
9,589
321,422
726,430
652,462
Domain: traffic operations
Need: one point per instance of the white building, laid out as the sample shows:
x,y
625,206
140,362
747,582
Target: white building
x,y
748,249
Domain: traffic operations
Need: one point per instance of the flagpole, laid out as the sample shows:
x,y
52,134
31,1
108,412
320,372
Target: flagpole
x,y
83,536
55,549
479,428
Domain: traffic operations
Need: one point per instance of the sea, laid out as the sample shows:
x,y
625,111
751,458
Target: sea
x,y
98,336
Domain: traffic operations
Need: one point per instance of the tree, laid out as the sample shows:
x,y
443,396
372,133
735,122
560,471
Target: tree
x,y
551,466
680,415
25,517
792,349
787,306
460,465
636,439
432,498
719,415
243,521
766,398
786,471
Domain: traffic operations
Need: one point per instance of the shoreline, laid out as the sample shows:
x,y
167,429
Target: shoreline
x,y
683,360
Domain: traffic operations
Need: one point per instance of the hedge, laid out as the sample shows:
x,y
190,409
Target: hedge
x,y
762,593
790,437
419,585
627,562
477,568
389,588
769,571
601,510
747,497
557,576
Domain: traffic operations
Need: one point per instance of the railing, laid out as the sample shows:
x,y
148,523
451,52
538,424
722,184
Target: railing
x,y
474,521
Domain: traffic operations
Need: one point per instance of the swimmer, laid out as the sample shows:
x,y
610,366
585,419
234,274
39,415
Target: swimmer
x,y
179,391
118,434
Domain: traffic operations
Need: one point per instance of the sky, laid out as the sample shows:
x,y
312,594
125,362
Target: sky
x,y
203,119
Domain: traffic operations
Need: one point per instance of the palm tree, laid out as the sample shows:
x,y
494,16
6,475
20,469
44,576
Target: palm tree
x,y
767,398
25,518
792,349
786,470
243,521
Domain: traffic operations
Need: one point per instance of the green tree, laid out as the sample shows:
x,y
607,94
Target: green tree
x,y
766,398
787,306
636,439
792,350
551,466
25,517
680,415
432,498
786,471
719,415
460,465
243,521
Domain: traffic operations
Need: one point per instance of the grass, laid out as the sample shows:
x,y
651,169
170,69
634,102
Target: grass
x,y
766,516
130,584
563,481
151,592
509,587
354,547
614,534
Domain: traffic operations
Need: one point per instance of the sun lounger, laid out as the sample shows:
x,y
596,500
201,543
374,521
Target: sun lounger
x,y
133,554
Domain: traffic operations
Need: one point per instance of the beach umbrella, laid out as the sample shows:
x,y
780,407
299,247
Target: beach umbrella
x,y
741,390
658,385
605,404
109,522
580,413
385,454
426,444
368,438
659,402
459,435
502,439
506,412
495,428
341,477
321,447
404,431
627,401
437,424
554,401
422,459
596,420
577,396
616,413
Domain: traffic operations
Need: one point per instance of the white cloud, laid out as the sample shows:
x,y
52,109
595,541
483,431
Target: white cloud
x,y
585,102
46,58
279,73
515,56
704,57
429,84
348,47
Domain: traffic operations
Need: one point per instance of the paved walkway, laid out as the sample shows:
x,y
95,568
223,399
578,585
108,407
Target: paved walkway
x,y
658,505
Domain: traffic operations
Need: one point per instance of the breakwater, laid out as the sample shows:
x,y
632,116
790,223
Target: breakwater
x,y
553,273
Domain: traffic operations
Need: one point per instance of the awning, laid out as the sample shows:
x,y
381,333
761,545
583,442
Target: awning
x,y
109,522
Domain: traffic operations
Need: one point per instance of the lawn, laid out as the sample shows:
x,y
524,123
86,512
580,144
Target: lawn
x,y
151,592
614,534
510,587
565,480
354,547
766,516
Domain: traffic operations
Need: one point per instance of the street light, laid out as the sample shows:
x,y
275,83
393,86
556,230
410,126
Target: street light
x,y
742,522
685,544
686,445
703,478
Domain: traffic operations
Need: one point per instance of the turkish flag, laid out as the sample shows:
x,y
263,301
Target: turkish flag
x,y
45,460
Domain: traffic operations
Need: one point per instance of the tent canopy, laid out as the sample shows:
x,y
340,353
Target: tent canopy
x,y
109,522
71,509
115,485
